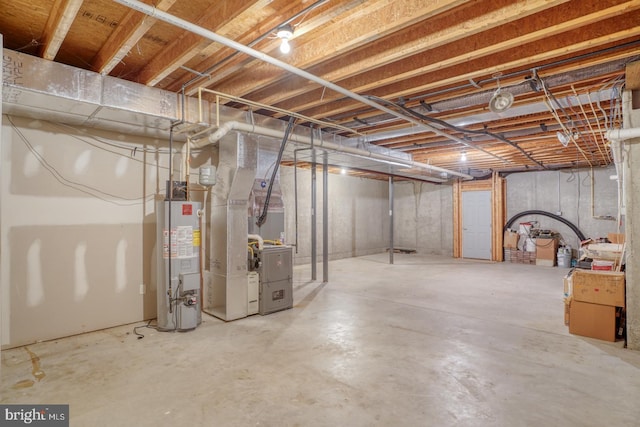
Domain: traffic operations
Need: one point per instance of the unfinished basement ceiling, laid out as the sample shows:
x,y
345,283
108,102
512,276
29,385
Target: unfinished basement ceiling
x,y
438,62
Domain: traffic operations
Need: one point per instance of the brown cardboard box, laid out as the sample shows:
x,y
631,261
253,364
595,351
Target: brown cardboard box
x,y
567,307
510,239
592,320
599,287
616,238
546,249
608,251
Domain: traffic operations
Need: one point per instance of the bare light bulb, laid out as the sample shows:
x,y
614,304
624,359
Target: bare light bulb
x,y
463,157
285,47
285,33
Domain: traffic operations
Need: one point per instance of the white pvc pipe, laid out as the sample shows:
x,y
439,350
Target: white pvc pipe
x,y
260,130
258,238
623,134
178,22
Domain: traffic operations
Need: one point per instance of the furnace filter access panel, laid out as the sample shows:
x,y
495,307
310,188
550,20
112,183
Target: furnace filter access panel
x,y
276,279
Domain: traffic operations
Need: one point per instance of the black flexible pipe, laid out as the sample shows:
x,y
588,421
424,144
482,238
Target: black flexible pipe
x,y
575,229
263,217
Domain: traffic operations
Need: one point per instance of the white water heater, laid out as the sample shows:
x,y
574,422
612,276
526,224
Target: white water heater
x,y
178,278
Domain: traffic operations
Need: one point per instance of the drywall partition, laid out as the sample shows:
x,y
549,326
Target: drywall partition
x,y
568,192
78,229
358,214
424,217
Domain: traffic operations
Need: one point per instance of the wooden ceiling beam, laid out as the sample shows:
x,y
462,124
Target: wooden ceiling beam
x,y
218,18
481,68
360,27
219,64
60,19
425,72
415,45
125,36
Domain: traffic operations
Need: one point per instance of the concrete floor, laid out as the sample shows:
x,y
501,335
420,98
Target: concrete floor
x,y
430,341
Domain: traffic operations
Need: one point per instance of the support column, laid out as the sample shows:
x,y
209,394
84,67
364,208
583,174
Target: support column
x,y
631,183
632,238
391,249
325,218
313,216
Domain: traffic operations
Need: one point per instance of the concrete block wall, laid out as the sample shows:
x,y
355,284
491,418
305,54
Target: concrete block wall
x,y
358,214
568,192
424,217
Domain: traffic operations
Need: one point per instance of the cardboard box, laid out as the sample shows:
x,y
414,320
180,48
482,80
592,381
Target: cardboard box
x,y
616,238
599,287
592,320
510,239
545,262
609,251
547,249
567,307
603,265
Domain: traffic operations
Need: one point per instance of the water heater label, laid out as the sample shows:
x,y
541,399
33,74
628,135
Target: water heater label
x,y
182,242
187,209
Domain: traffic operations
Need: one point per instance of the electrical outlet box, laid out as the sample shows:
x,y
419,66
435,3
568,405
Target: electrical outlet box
x,y
143,289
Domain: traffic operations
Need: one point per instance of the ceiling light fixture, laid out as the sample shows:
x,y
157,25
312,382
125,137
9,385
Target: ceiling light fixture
x,y
566,137
563,138
500,101
343,171
285,33
463,156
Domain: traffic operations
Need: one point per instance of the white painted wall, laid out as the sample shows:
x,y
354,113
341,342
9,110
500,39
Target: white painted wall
x,y
78,229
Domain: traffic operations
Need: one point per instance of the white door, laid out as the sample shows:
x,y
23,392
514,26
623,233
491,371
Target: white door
x,y
476,224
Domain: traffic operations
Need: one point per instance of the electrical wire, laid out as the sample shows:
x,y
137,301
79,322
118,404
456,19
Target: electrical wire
x,y
108,143
148,325
78,186
548,98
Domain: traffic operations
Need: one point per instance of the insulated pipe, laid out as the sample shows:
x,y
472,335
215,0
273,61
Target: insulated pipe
x,y
616,151
258,238
203,32
623,134
245,127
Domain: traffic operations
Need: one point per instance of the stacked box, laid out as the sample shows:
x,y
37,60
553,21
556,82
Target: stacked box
x,y
510,239
546,251
596,303
519,257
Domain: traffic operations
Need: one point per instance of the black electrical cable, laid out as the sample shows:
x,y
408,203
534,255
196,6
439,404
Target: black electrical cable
x,y
263,216
148,325
575,229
